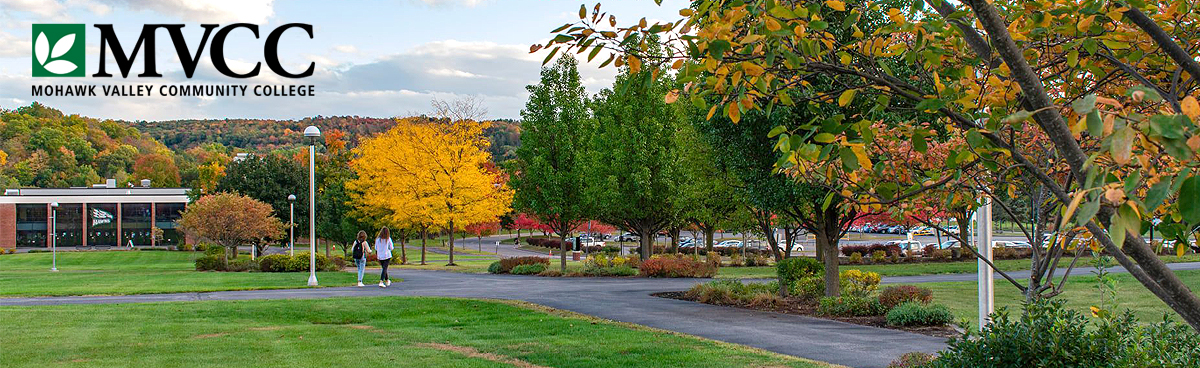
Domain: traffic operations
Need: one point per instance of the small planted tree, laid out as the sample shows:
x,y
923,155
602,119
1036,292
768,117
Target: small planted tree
x,y
230,220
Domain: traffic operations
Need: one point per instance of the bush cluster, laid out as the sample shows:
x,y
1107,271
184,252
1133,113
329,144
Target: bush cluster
x,y
870,249
911,360
732,292
919,314
756,260
270,263
858,283
8,250
183,247
528,269
791,270
855,258
850,306
895,295
809,287
676,266
611,271
546,242
1049,335
506,265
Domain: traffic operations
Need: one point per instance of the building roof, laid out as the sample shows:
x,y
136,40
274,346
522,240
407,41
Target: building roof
x,y
95,195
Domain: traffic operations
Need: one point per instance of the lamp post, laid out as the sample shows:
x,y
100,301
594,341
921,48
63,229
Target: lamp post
x,y
291,225
312,133
54,237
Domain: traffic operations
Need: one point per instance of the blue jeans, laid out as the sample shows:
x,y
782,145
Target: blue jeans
x,y
362,265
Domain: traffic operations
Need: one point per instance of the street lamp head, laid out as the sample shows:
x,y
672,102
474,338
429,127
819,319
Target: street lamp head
x,y
291,197
54,204
312,131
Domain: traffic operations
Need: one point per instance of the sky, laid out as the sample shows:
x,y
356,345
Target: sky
x,y
373,58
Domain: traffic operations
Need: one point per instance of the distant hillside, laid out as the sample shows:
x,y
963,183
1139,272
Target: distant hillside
x,y
256,134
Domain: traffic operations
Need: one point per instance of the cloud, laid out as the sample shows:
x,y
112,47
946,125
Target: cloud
x,y
41,8
345,49
448,3
13,46
207,11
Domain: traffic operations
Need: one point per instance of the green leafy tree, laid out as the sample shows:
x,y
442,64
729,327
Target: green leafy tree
x,y
709,193
159,168
271,179
548,175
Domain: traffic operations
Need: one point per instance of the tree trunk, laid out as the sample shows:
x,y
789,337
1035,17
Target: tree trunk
x,y
451,244
403,244
647,243
424,236
708,238
674,240
326,248
789,238
562,251
829,255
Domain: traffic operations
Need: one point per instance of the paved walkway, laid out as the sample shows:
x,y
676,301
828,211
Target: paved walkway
x,y
619,299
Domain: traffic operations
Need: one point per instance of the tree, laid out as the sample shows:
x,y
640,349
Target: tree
x,y
271,179
548,177
1101,81
230,220
429,174
709,191
632,171
159,168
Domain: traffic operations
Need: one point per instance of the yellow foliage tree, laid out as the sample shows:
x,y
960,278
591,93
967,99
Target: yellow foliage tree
x,y
424,173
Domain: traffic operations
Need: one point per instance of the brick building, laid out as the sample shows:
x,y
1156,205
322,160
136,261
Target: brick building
x,y
99,216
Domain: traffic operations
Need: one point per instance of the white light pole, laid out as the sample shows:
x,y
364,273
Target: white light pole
x,y
983,243
54,237
291,225
312,133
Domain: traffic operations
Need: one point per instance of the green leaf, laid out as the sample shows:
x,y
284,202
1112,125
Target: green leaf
x,y
849,160
1133,223
550,56
1116,229
1087,210
1157,193
717,49
918,142
1095,125
1151,94
1085,105
776,131
1017,117
1166,126
1189,200
818,25
824,138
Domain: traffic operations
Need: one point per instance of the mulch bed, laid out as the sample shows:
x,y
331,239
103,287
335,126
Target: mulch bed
x,y
808,307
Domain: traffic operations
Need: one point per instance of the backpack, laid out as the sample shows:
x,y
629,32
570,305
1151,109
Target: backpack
x,y
358,250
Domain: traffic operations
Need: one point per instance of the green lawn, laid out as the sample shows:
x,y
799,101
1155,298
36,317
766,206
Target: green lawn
x,y
350,332
928,268
1080,294
136,272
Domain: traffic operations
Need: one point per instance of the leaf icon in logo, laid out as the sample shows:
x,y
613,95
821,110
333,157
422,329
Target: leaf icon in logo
x,y
63,45
60,67
41,48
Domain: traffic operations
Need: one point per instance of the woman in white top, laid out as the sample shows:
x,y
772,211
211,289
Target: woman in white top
x,y
383,248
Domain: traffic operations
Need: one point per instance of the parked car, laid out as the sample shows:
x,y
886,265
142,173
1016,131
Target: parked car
x,y
907,245
923,230
729,244
1016,244
948,244
687,243
588,241
627,237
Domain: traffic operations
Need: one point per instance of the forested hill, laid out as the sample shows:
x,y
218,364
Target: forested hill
x,y
260,135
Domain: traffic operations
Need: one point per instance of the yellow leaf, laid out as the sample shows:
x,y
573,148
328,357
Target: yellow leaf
x,y
861,154
642,23
846,97
1194,143
734,114
635,65
1095,311
845,59
582,11
752,69
671,96
836,5
678,64
712,111
1085,23
685,12
1180,250
1190,107
772,24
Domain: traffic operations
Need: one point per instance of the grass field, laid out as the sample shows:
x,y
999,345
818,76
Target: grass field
x,y
929,268
136,272
350,332
1080,293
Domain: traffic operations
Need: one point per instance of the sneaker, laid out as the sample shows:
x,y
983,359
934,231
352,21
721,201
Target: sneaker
x,y
360,284
381,284
389,282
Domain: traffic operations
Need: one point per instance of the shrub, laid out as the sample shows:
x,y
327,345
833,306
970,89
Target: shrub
x,y
1048,335
870,249
809,287
878,256
917,314
528,269
793,269
494,267
210,263
274,263
892,296
633,261
550,272
714,259
337,263
942,255
734,292
621,270
676,267
735,260
912,360
850,306
214,250
855,258
240,265
507,264
1004,253
183,247
610,249
857,283
203,246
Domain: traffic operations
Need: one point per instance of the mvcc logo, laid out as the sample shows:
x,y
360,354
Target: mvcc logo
x,y
58,50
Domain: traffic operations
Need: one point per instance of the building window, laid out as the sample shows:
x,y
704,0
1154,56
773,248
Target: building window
x,y
135,224
69,225
102,224
31,225
165,216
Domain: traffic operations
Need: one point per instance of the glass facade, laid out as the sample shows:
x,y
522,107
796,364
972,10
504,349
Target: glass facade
x,y
135,224
31,225
69,225
165,215
102,224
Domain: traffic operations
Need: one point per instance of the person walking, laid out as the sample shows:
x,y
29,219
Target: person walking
x,y
360,249
383,247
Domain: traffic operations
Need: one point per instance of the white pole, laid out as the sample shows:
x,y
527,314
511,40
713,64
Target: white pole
x,y
983,242
312,214
292,229
54,238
